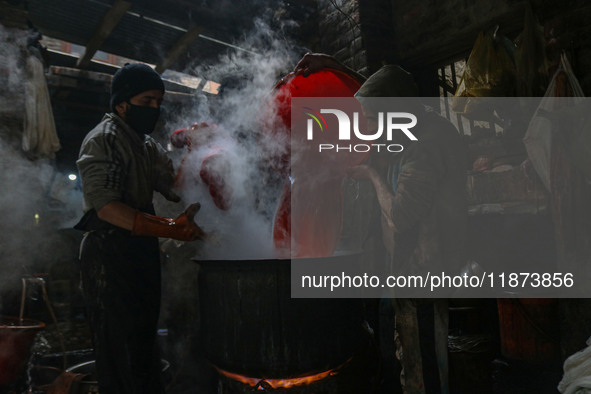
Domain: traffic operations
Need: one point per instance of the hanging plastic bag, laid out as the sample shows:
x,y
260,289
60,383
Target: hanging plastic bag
x,y
538,137
489,72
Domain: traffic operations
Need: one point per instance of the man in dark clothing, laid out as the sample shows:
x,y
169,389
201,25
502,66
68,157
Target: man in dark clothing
x,y
421,193
120,167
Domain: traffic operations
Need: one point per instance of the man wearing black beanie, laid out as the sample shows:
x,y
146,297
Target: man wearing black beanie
x,y
120,167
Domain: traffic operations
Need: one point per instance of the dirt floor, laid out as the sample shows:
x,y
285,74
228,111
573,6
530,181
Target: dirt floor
x,y
482,371
476,363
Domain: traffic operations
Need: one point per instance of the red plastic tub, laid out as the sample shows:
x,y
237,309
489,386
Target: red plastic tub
x,y
308,221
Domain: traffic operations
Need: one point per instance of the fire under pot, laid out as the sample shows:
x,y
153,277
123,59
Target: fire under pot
x,y
260,339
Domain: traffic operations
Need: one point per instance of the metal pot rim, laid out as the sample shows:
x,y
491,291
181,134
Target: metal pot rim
x,y
73,368
24,324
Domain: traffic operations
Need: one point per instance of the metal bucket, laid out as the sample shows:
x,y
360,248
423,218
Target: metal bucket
x,y
16,337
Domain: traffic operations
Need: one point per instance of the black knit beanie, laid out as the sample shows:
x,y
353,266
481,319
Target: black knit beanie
x,y
133,79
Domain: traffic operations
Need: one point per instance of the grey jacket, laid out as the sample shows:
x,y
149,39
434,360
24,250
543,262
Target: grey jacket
x,y
117,164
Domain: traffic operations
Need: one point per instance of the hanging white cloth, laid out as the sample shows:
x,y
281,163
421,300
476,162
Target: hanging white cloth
x,y
40,138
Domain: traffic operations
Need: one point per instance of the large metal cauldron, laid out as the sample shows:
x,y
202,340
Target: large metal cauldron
x,y
250,325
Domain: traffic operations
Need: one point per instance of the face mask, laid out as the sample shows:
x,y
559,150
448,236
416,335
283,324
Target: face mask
x,y
142,119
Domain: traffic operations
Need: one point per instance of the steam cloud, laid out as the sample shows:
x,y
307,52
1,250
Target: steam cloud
x,y
35,200
244,231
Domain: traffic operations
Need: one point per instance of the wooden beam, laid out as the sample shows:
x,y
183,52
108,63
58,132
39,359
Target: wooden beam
x,y
179,48
13,15
104,30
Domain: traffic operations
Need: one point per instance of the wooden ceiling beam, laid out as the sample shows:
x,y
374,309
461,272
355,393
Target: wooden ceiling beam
x,y
104,30
180,47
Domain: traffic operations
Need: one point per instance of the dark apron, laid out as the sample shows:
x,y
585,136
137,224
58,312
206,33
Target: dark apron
x,y
121,285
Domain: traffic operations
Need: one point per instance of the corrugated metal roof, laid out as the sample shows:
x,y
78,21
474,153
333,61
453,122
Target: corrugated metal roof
x,y
150,28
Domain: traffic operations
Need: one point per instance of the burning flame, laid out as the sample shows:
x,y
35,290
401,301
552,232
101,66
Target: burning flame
x,y
262,383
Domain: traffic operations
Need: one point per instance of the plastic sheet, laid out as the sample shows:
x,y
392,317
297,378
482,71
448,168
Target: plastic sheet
x,y
538,137
489,72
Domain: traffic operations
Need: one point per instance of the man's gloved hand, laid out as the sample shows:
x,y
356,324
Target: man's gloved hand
x,y
183,228
313,62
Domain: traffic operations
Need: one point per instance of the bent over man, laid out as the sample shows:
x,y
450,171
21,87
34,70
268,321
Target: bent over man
x,y
421,193
422,197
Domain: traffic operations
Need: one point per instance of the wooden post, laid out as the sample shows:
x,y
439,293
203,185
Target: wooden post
x,y
179,48
104,30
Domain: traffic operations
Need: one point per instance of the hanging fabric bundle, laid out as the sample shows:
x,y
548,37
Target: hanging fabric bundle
x,y
40,138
